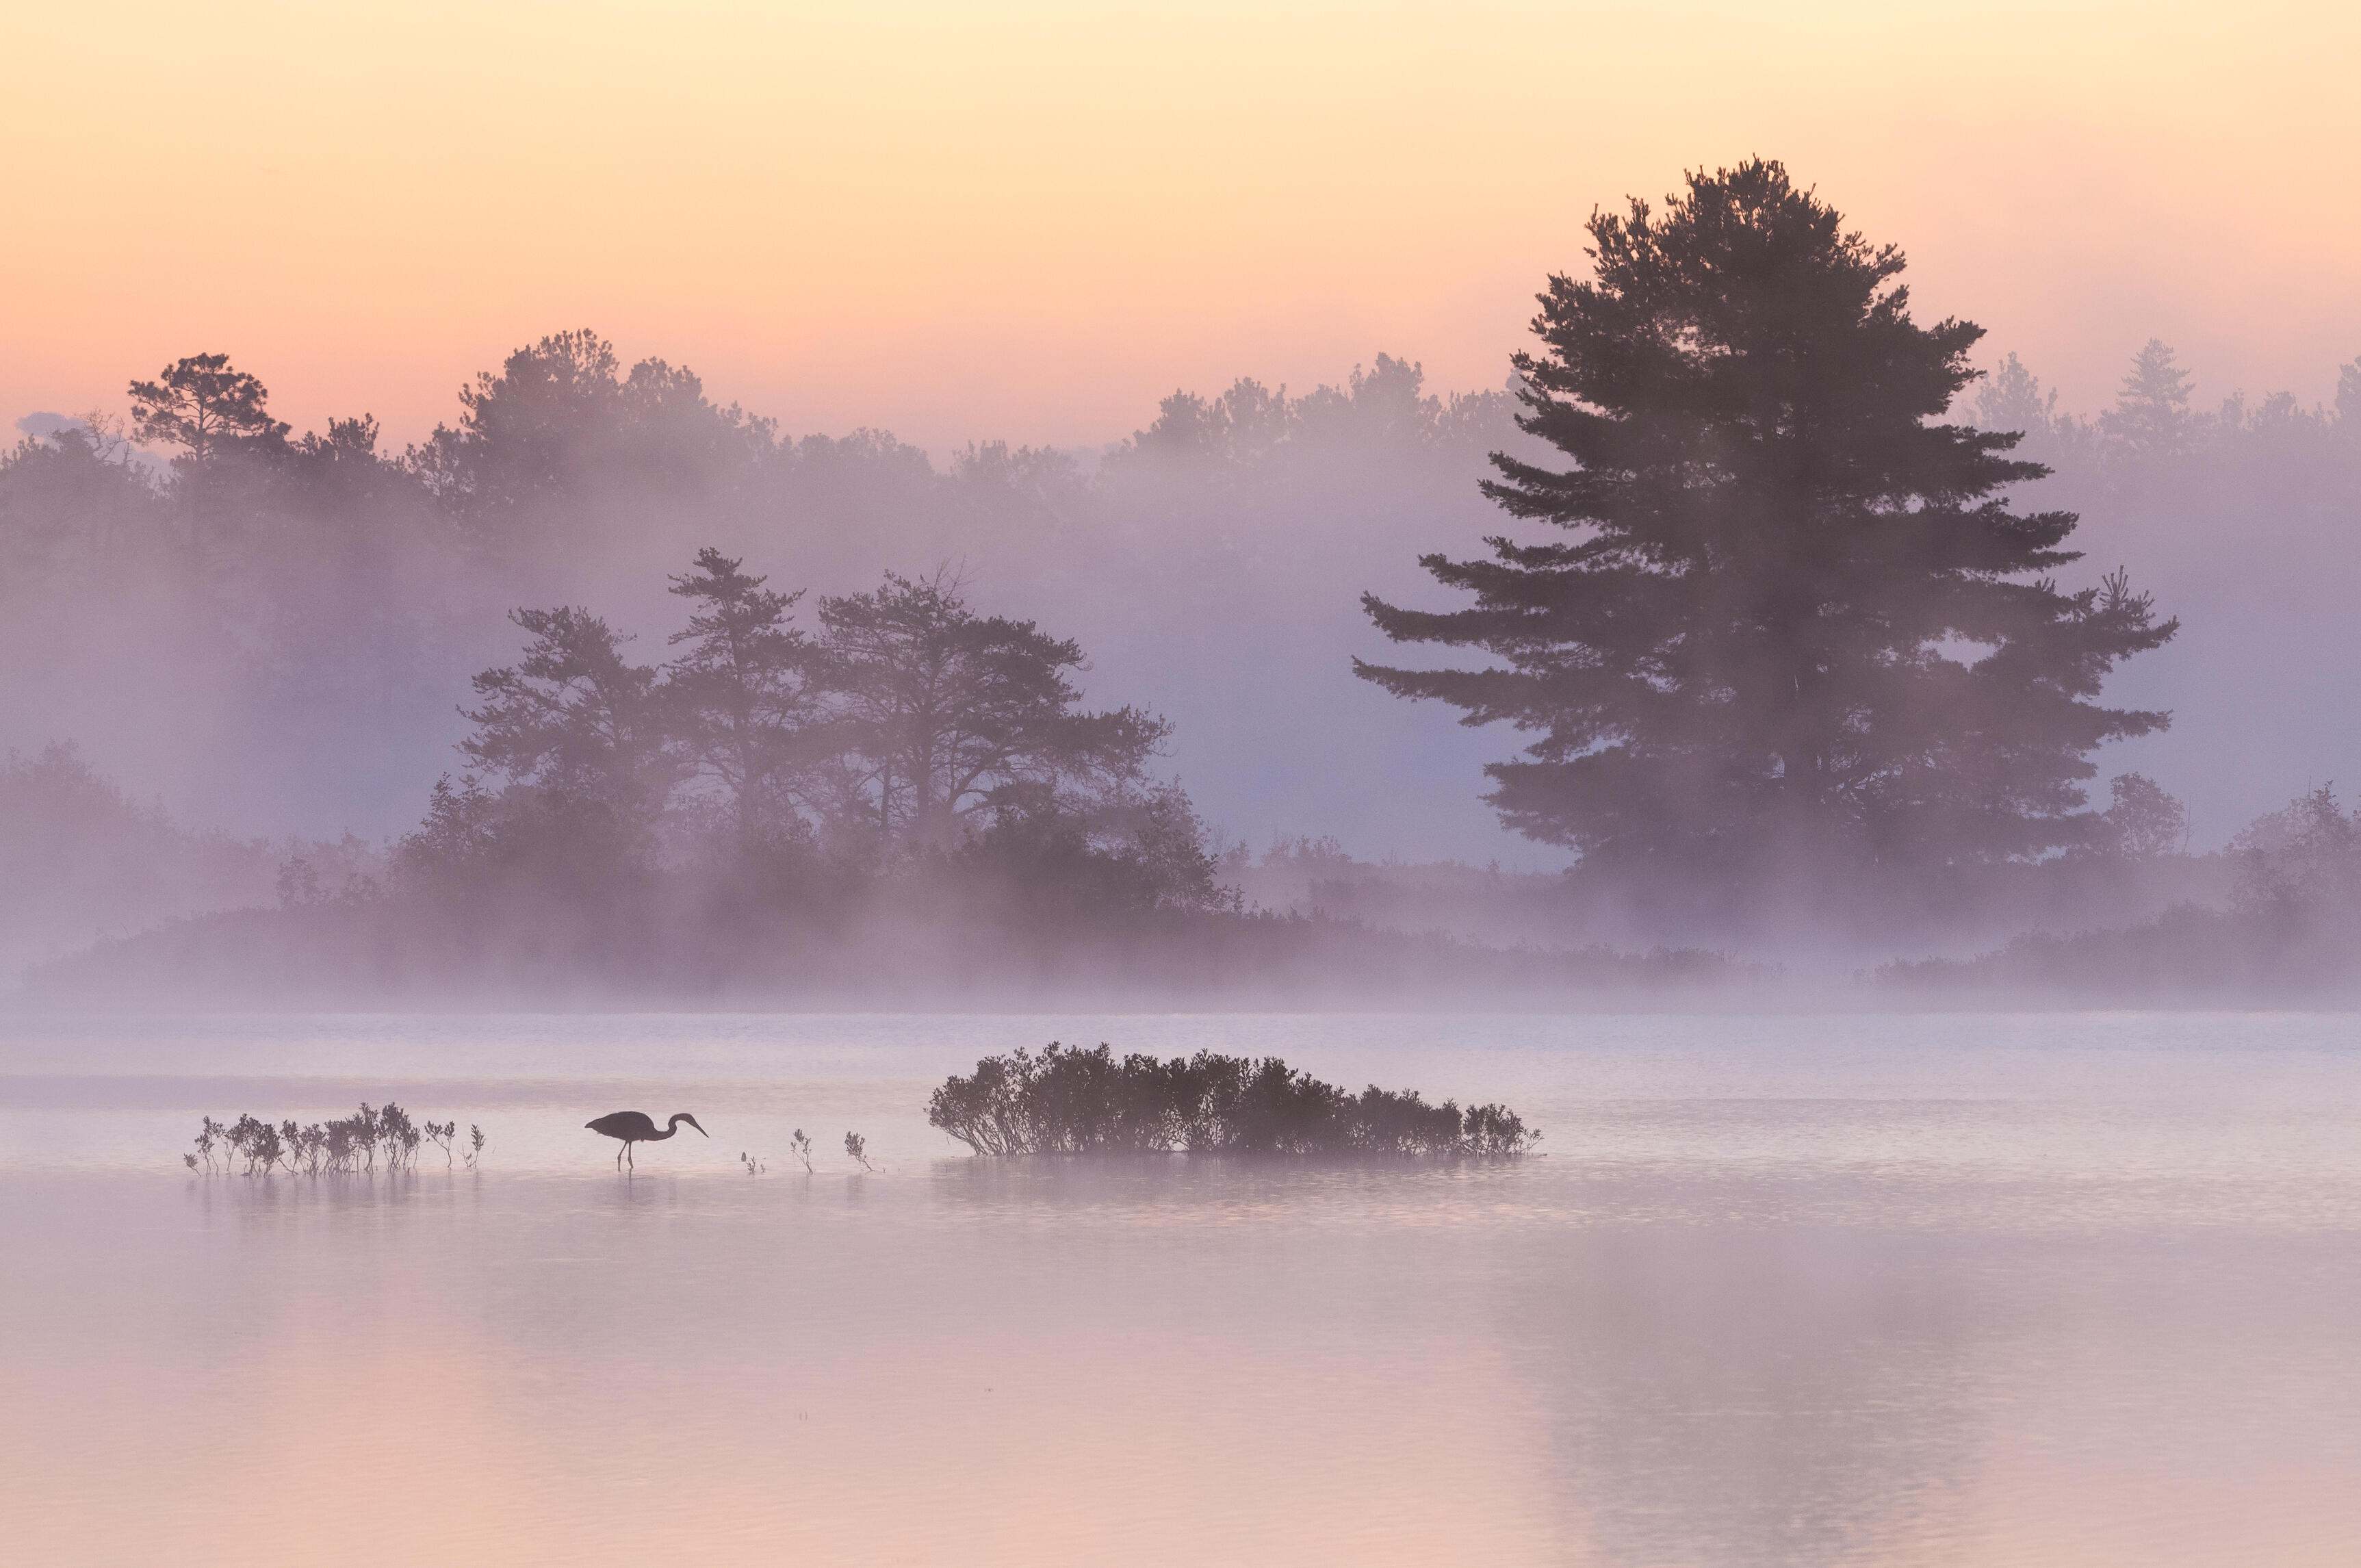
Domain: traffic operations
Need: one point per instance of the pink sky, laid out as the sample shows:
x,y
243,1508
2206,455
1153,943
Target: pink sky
x,y
1032,220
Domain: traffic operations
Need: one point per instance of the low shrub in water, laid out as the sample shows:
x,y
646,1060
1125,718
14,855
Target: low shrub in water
x,y
251,1147
1070,1101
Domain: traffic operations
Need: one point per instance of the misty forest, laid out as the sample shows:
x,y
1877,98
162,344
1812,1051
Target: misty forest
x,y
1792,642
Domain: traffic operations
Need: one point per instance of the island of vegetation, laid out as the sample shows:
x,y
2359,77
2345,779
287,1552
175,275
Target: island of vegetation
x,y
1071,1100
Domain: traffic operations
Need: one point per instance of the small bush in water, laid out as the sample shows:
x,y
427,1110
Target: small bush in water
x,y
1070,1101
255,1148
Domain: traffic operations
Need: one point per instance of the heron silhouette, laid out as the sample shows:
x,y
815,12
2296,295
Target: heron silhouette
x,y
638,1127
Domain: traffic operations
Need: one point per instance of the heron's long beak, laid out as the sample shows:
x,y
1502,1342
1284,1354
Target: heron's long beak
x,y
692,1122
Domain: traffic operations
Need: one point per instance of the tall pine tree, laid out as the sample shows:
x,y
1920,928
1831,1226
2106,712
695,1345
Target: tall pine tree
x,y
1792,621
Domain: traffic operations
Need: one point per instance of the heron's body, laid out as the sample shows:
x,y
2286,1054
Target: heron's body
x,y
639,1127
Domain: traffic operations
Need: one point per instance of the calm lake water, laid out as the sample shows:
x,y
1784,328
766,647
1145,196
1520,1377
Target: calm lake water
x,y
2030,1290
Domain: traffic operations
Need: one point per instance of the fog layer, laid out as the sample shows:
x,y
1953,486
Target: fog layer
x,y
638,637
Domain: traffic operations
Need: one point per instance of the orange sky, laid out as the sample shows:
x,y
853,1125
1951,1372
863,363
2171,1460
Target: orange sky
x,y
1030,220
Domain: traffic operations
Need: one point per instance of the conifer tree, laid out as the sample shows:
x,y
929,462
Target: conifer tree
x,y
2151,417
206,407
576,722
213,413
1791,620
742,698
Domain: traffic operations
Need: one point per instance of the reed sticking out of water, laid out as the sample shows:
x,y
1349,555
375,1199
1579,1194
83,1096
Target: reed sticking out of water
x,y
1070,1101
251,1147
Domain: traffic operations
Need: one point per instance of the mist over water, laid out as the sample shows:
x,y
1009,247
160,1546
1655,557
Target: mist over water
x,y
1830,1289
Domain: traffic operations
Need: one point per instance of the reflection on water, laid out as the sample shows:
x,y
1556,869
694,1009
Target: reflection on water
x,y
1784,1291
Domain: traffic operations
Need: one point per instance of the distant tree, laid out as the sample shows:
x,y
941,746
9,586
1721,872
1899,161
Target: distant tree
x,y
943,708
2151,417
206,407
348,441
354,510
1158,834
1243,428
2300,864
526,432
561,424
1125,852
212,413
2015,400
2142,822
1384,409
1324,856
72,499
742,699
577,720
572,855
1039,477
1757,644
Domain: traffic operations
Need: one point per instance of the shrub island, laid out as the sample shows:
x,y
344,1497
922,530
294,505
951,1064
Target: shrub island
x,y
1070,1101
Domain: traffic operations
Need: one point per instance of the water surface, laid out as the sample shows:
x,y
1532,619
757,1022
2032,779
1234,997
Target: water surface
x,y
2037,1289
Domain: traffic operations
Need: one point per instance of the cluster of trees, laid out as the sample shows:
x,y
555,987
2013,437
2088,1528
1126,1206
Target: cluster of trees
x,y
2240,514
905,732
1076,1101
269,624
2155,438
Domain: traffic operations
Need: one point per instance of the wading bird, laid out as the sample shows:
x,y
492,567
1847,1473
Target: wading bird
x,y
635,1127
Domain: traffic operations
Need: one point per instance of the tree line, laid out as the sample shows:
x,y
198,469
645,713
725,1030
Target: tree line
x,y
1766,596
238,601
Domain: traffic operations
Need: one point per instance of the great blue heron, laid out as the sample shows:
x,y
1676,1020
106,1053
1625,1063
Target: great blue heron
x,y
636,1128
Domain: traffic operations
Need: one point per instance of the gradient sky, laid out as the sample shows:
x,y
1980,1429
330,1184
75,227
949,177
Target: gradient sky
x,y
1031,220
